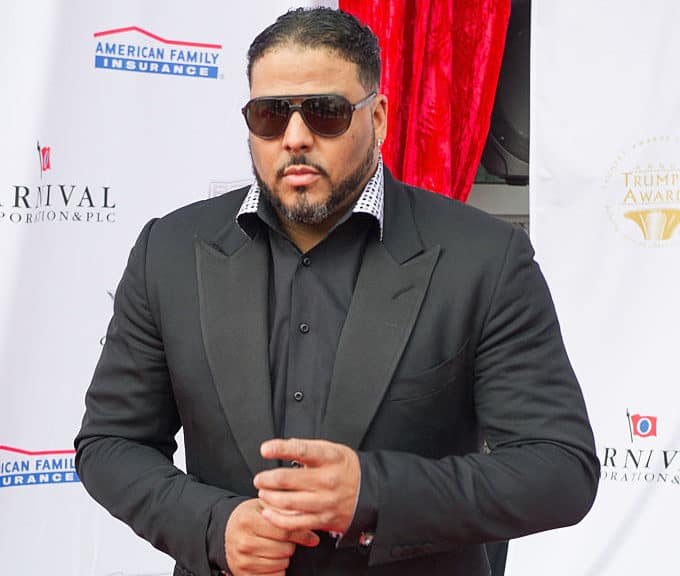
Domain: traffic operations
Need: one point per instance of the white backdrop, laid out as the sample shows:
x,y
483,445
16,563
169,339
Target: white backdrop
x,y
605,204
120,146
117,147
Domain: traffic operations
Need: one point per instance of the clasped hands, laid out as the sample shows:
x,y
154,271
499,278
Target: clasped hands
x,y
292,503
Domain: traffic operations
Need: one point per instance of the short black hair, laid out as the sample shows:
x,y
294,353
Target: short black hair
x,y
334,30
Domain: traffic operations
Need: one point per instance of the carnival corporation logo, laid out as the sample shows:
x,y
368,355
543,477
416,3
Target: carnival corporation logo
x,y
642,191
133,49
645,460
54,200
25,468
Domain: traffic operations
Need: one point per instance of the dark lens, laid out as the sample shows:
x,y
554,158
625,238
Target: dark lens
x,y
268,117
327,115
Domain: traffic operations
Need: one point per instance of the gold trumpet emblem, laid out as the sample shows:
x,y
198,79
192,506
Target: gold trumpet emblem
x,y
656,224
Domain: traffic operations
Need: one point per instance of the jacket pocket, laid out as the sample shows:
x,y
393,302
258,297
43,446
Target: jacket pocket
x,y
430,382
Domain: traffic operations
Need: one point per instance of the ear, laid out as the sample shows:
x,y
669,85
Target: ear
x,y
380,117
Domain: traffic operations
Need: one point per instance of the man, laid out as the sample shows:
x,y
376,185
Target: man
x,y
370,377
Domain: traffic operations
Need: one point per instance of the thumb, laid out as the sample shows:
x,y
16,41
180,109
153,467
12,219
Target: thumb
x,y
304,538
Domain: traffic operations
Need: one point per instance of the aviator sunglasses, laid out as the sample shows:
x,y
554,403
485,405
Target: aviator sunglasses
x,y
327,115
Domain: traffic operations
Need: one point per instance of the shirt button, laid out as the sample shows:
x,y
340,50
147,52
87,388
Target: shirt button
x,y
299,395
304,328
306,261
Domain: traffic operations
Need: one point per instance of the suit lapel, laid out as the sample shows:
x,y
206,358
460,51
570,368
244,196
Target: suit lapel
x,y
384,308
233,287
392,282
233,293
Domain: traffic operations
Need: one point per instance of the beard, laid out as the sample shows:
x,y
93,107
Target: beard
x,y
305,212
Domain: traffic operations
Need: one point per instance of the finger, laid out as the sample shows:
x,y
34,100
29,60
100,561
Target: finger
x,y
266,530
286,501
265,548
306,452
303,479
309,480
243,564
305,538
296,522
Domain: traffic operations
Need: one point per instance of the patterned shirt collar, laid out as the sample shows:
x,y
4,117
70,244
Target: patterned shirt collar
x,y
371,201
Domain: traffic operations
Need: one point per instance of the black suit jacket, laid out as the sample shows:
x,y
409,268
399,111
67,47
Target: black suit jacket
x,y
451,343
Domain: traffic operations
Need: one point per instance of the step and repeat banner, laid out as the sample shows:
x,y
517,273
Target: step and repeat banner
x,y
111,113
605,218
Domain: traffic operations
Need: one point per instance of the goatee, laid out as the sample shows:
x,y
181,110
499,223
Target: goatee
x,y
305,212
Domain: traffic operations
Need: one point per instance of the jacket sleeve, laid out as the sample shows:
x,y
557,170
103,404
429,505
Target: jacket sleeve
x,y
125,446
540,470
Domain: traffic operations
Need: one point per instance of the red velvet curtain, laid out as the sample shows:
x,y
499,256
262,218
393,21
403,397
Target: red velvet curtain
x,y
441,60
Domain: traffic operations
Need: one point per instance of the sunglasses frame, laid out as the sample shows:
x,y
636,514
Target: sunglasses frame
x,y
298,108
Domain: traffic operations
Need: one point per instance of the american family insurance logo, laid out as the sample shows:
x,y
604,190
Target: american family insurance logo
x,y
24,468
133,49
647,459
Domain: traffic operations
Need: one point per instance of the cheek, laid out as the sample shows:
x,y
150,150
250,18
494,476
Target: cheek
x,y
263,159
349,152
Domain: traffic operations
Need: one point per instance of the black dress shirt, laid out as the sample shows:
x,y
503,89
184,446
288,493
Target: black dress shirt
x,y
309,297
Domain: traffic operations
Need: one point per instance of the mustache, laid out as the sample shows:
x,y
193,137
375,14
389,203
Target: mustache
x,y
300,160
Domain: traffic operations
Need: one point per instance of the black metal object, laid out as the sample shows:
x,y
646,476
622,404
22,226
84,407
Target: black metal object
x,y
506,153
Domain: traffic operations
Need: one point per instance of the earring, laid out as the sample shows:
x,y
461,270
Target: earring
x,y
380,142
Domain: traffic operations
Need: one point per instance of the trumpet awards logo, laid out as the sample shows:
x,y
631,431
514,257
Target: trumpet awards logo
x,y
644,461
643,192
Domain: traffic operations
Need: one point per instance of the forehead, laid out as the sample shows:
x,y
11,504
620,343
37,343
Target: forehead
x,y
294,69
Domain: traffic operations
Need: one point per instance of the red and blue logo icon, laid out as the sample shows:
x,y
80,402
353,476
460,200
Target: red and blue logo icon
x,y
45,155
641,425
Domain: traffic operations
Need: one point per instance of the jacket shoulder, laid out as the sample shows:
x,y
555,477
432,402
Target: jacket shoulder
x,y
450,222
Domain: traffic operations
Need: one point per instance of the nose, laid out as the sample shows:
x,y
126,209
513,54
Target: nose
x,y
297,137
